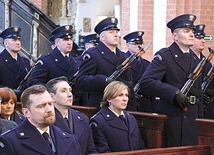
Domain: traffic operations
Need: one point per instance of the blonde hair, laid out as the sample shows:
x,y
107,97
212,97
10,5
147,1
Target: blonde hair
x,y
112,90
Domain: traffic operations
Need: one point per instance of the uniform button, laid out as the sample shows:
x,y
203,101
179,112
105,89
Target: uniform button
x,y
185,117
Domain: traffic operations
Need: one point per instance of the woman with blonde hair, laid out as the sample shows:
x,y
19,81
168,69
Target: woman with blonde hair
x,y
113,128
9,106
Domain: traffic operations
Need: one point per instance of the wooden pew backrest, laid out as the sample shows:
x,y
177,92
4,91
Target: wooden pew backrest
x,y
151,126
182,150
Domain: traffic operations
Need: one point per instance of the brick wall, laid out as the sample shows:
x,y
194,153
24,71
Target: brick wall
x,y
41,4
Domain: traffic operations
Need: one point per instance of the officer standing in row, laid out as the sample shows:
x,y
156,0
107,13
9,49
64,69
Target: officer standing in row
x,y
59,61
13,67
197,48
166,75
101,61
90,40
146,103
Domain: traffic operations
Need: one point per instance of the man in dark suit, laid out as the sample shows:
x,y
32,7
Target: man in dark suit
x,y
36,135
70,120
13,67
6,125
101,61
146,103
58,62
166,75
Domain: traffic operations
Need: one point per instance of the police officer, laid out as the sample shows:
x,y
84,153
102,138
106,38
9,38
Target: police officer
x,y
166,75
58,62
13,67
197,48
101,61
133,40
90,40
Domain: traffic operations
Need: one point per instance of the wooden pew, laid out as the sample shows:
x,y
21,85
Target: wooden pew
x,y
151,126
88,111
205,132
182,150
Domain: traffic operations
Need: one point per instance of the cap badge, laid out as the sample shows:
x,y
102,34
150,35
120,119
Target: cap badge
x,y
67,27
16,29
201,27
139,33
191,17
113,20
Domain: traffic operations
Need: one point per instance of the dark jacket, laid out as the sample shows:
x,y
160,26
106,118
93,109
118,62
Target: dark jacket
x,y
6,125
111,135
12,72
167,73
80,128
26,140
52,65
99,63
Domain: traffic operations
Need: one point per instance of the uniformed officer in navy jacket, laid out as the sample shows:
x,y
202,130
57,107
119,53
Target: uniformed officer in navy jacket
x,y
37,135
113,128
166,75
134,39
59,61
197,48
70,120
13,67
101,61
91,40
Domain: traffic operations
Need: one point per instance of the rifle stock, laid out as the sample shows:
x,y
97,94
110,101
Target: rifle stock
x,y
207,79
195,74
122,67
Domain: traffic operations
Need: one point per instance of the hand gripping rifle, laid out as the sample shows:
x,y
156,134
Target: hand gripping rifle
x,y
207,79
195,74
23,83
122,67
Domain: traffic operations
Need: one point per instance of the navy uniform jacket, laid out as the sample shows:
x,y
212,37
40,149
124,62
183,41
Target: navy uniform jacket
x,y
6,125
80,128
52,65
98,64
26,140
12,72
146,103
167,73
111,134
16,117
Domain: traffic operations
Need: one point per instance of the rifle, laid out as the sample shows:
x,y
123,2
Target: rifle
x,y
195,74
122,67
23,83
207,79
72,80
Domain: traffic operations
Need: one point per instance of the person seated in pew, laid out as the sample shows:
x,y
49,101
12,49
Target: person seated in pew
x,y
9,106
37,135
70,120
6,125
113,128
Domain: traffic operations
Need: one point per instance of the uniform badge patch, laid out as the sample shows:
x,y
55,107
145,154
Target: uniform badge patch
x,y
158,57
86,56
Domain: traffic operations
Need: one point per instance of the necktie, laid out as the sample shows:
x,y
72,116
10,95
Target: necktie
x,y
123,119
47,138
67,58
67,121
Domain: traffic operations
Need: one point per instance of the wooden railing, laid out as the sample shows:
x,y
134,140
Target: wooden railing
x,y
205,132
183,150
151,126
